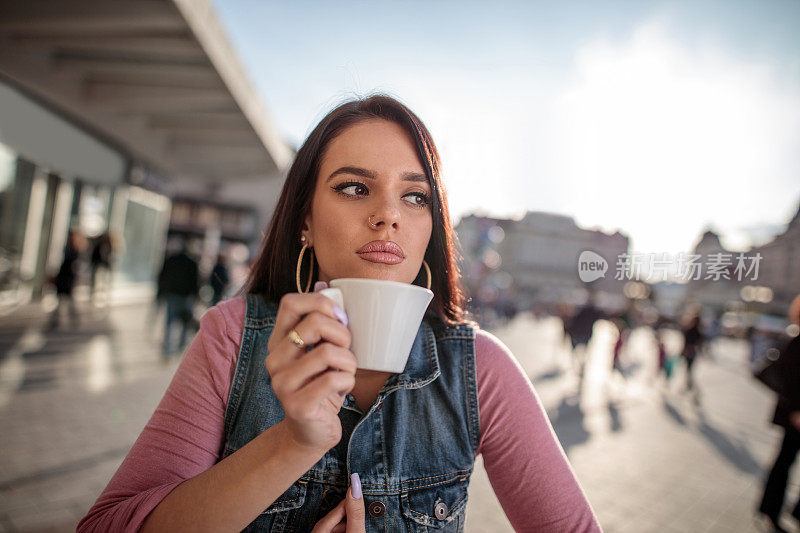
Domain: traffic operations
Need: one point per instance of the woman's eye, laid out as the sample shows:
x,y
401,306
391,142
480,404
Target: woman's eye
x,y
344,186
422,198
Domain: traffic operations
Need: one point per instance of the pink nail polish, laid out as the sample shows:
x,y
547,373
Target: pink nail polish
x,y
355,486
318,286
340,314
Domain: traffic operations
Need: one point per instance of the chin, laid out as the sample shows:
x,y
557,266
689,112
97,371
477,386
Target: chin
x,y
382,272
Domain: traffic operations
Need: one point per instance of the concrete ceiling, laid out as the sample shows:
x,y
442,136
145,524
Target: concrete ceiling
x,y
156,78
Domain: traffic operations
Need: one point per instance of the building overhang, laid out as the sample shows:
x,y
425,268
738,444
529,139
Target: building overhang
x,y
156,79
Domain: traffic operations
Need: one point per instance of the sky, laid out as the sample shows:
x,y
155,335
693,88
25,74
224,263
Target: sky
x,y
657,119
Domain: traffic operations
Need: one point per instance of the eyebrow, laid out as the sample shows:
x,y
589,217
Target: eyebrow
x,y
363,172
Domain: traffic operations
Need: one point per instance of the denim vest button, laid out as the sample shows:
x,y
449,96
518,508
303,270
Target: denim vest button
x,y
440,510
377,509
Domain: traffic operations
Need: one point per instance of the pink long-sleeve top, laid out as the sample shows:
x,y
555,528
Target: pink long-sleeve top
x,y
526,465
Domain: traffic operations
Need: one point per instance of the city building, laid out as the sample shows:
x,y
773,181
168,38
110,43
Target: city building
x,y
714,292
767,283
779,268
533,261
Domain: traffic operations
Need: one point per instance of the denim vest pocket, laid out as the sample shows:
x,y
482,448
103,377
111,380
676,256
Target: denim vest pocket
x,y
436,506
293,498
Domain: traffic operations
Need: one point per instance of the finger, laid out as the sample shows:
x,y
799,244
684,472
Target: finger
x,y
294,306
330,520
331,384
336,402
356,515
323,357
307,406
314,329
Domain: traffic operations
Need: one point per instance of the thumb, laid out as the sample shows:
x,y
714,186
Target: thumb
x,y
355,507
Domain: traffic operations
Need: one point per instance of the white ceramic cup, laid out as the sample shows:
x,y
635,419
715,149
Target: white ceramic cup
x,y
383,318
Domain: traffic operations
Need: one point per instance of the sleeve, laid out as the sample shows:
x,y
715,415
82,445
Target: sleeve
x,y
527,467
184,435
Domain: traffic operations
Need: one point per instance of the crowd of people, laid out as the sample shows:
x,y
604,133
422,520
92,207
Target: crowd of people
x,y
90,260
100,252
778,346
579,327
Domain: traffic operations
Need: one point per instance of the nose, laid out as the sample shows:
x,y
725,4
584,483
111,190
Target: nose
x,y
385,214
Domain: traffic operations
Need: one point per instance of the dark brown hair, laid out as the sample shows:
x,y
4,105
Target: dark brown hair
x,y
273,273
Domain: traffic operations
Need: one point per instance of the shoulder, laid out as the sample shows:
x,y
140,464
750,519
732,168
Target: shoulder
x,y
495,364
219,340
227,317
489,350
488,341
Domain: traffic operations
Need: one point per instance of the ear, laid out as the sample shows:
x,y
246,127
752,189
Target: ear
x,y
306,230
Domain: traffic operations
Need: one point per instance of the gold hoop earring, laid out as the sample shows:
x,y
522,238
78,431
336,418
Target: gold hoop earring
x,y
310,270
428,270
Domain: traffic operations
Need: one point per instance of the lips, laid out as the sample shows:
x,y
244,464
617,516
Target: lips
x,y
382,246
382,252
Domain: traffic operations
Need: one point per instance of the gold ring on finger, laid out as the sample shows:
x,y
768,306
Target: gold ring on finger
x,y
296,340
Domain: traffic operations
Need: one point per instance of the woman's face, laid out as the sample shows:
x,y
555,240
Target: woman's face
x,y
371,168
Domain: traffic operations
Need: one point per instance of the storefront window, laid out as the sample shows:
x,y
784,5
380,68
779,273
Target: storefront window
x,y
144,231
16,176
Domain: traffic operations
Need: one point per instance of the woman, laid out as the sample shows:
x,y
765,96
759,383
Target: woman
x,y
787,415
258,432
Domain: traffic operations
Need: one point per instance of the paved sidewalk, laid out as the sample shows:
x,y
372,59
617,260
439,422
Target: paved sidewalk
x,y
73,401
648,456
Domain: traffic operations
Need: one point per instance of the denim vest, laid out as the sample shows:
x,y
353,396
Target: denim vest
x,y
414,449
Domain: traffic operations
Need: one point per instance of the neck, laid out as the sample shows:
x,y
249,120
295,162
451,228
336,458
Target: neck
x,y
363,373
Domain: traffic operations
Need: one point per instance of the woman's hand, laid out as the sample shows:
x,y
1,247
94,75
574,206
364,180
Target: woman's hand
x,y
311,385
348,516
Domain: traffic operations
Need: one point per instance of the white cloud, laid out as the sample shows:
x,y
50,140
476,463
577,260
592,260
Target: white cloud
x,y
659,139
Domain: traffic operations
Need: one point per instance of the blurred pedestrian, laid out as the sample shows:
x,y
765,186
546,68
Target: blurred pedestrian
x,y
179,285
564,311
623,332
692,344
787,415
625,324
662,355
219,279
154,315
100,262
64,281
580,329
